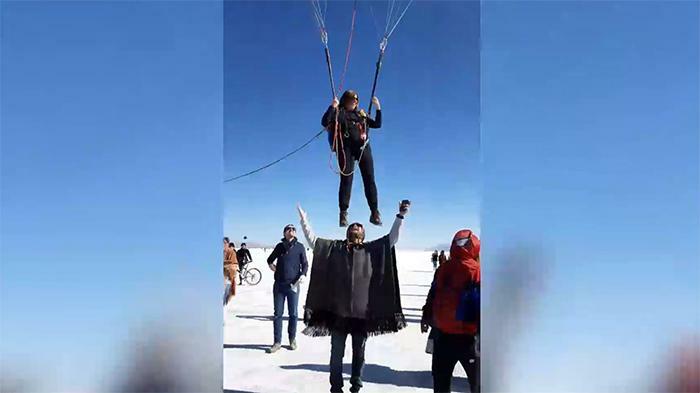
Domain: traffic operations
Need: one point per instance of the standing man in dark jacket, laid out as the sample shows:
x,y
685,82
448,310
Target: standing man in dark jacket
x,y
291,266
351,125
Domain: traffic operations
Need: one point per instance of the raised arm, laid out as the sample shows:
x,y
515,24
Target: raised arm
x,y
306,227
329,116
395,230
396,227
377,121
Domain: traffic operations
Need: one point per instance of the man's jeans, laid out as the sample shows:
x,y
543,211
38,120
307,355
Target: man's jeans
x,y
282,292
358,360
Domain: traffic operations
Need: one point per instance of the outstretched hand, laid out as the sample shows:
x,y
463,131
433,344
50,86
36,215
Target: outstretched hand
x,y
404,206
302,213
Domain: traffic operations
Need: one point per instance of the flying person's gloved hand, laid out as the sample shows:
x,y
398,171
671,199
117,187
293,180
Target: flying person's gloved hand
x,y
335,102
376,103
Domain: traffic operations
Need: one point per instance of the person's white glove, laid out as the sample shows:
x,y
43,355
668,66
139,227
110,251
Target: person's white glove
x,y
302,213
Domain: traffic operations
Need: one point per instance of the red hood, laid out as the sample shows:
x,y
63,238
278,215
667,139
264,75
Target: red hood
x,y
464,254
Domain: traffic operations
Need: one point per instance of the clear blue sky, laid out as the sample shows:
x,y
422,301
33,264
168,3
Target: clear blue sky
x,y
277,89
590,124
111,171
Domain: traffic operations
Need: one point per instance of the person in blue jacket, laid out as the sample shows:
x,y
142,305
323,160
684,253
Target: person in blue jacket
x,y
288,261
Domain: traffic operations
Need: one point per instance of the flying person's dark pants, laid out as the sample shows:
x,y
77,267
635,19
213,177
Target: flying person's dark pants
x,y
282,292
346,163
448,349
338,339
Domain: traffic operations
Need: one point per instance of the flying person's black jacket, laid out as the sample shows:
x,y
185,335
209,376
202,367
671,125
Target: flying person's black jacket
x,y
349,121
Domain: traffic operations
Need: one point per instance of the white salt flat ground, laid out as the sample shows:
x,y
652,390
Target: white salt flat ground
x,y
394,363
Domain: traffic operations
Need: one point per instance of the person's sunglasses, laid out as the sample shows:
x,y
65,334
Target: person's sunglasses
x,y
290,228
464,242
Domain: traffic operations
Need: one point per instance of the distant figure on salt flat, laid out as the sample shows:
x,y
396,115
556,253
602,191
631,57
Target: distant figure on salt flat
x,y
243,256
434,259
230,267
443,257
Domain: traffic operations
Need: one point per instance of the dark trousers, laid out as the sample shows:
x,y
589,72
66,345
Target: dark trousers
x,y
447,351
282,292
346,162
338,339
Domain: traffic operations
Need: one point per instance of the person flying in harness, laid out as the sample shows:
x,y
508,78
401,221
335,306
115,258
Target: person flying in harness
x,y
353,145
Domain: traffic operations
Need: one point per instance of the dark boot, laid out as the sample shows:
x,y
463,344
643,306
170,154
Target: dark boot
x,y
343,218
376,218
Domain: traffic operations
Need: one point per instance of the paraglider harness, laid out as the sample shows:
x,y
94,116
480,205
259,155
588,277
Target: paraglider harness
x,y
335,140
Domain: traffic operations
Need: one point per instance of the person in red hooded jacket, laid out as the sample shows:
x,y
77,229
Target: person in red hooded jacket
x,y
455,339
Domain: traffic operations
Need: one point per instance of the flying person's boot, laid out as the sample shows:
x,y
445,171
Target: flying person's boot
x,y
343,218
376,218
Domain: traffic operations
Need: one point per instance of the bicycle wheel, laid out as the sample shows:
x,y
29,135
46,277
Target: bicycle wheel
x,y
253,276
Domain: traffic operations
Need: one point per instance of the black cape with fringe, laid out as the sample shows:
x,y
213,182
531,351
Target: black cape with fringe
x,y
354,289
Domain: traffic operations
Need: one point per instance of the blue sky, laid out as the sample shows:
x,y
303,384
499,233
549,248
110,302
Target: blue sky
x,y
276,90
590,120
111,158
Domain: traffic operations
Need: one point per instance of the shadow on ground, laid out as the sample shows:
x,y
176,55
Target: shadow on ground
x,y
264,318
257,347
412,320
414,294
374,373
416,285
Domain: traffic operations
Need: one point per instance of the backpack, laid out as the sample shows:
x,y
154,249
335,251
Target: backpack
x,y
469,307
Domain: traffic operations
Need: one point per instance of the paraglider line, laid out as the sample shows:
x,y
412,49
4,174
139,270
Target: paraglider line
x,y
278,160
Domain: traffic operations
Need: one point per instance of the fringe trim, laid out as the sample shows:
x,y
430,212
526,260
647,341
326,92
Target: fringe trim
x,y
321,323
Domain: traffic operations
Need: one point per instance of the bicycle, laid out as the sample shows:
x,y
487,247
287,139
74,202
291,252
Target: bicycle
x,y
252,275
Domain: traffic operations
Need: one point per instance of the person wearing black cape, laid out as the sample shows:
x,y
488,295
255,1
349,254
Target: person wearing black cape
x,y
354,289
